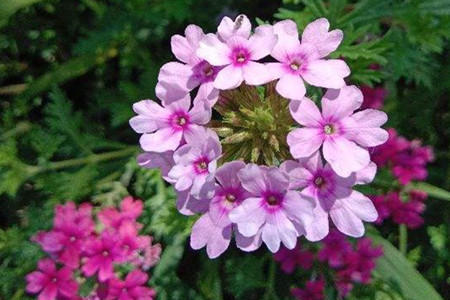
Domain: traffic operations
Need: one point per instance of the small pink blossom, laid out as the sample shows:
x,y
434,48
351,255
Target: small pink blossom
x,y
132,288
176,79
342,134
289,259
334,196
314,290
167,127
299,62
273,211
195,164
214,228
334,249
238,54
373,97
51,283
130,210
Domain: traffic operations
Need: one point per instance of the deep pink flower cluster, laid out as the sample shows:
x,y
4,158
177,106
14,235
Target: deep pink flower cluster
x,y
406,159
273,204
349,264
407,211
78,250
373,97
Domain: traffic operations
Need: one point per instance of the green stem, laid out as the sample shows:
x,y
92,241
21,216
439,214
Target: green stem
x,y
90,159
270,288
403,239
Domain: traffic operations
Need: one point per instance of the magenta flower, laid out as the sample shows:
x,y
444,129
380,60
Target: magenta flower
x,y
71,228
132,288
334,196
177,79
51,283
279,214
304,61
238,54
289,259
314,290
373,97
130,210
101,254
335,248
166,128
343,134
195,164
214,228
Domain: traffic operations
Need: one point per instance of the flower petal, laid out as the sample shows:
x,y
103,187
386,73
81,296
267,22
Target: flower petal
x,y
291,86
347,222
326,73
252,179
162,140
303,142
214,51
248,243
316,33
262,42
227,176
239,27
249,216
345,156
319,228
179,74
365,129
338,104
256,73
306,113
361,206
299,207
229,77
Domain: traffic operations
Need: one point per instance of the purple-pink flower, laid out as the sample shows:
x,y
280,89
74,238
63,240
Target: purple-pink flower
x,y
51,283
237,54
177,79
342,134
166,127
334,196
290,259
303,61
314,290
132,288
272,211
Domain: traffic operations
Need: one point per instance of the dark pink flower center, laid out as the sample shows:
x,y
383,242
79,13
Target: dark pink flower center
x,y
273,199
295,66
230,198
201,165
54,279
180,120
205,72
240,56
124,290
73,239
105,253
320,182
329,129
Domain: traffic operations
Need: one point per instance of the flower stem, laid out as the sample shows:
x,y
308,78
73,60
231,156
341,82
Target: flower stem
x,y
403,239
270,288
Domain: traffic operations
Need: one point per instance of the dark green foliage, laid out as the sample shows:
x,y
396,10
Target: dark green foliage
x,y
71,70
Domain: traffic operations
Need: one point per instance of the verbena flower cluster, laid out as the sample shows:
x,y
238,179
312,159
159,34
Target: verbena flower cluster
x,y
407,161
348,263
108,258
251,153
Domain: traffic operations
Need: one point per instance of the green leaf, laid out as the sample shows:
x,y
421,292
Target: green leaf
x,y
433,191
9,7
394,268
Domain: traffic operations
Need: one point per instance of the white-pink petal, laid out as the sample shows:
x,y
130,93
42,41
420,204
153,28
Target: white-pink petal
x,y
241,26
249,216
262,42
316,33
326,73
163,140
361,206
178,74
340,103
228,78
214,51
306,113
255,73
291,86
303,142
365,128
347,222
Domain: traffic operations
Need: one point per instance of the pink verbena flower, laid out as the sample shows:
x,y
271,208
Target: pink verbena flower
x,y
166,127
238,55
132,288
334,249
101,254
228,28
163,161
214,228
150,254
343,134
289,259
71,228
51,283
273,211
195,164
334,196
408,212
362,262
304,61
130,210
177,79
383,209
314,290
373,97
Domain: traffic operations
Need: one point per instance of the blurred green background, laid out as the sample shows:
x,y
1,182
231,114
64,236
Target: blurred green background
x,y
71,70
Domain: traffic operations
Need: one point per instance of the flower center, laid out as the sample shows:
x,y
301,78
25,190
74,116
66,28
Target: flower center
x,y
181,121
208,71
240,58
230,198
105,253
54,279
328,129
295,66
319,182
124,290
272,200
72,239
202,165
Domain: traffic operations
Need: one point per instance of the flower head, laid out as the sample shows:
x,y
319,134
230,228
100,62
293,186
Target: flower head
x,y
132,288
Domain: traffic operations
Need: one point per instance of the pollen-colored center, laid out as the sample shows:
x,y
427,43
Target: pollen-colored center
x,y
54,279
240,58
124,290
295,66
105,253
272,200
319,181
328,129
73,239
181,121
203,165
208,71
230,198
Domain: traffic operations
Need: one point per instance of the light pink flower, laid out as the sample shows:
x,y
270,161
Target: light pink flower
x,y
334,196
195,164
51,283
214,228
238,54
228,28
343,134
152,160
278,214
166,128
132,288
176,79
304,61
